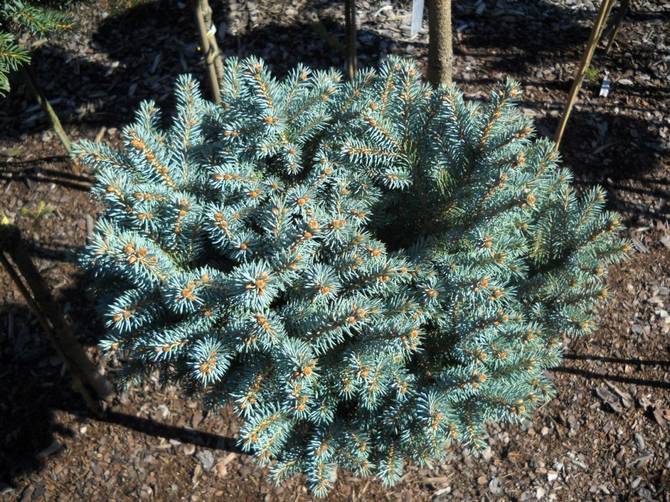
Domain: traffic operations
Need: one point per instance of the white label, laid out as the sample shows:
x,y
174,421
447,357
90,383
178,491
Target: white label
x,y
605,87
417,17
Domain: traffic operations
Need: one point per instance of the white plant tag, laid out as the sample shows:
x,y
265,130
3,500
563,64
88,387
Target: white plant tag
x,y
417,17
605,87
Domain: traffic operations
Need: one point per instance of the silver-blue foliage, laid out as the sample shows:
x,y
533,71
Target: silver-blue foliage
x,y
369,271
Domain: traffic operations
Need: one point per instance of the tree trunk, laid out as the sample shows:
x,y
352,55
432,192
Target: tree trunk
x,y
440,48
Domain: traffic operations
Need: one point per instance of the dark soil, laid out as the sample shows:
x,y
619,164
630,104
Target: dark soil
x,y
606,435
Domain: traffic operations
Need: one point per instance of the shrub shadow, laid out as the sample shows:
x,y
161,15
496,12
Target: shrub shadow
x,y
36,387
620,153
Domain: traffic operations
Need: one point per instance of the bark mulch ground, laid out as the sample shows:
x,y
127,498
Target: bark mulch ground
x,y
606,434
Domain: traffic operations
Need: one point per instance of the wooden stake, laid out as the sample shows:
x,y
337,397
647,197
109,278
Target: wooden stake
x,y
209,45
212,38
350,28
581,71
46,106
86,379
604,25
621,13
440,45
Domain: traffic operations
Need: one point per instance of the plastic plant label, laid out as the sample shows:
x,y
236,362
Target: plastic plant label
x,y
417,17
605,87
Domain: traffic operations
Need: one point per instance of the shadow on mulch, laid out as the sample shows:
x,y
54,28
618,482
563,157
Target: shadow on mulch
x,y
619,153
593,375
42,170
529,36
154,42
35,386
541,32
150,46
616,150
613,377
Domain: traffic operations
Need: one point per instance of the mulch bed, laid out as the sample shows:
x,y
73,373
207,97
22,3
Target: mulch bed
x,y
606,435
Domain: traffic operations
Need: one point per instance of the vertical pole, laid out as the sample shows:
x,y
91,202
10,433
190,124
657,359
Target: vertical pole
x,y
581,70
621,13
607,15
350,28
440,45
200,7
211,37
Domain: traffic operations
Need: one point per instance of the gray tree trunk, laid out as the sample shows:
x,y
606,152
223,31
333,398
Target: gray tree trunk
x,y
440,48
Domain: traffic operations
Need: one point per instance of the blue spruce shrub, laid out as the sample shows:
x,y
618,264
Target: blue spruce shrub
x,y
369,271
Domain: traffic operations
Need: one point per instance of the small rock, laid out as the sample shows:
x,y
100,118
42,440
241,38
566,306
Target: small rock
x,y
206,459
494,486
124,398
5,489
645,494
526,424
552,476
641,462
661,415
540,492
146,492
188,449
197,472
625,397
196,419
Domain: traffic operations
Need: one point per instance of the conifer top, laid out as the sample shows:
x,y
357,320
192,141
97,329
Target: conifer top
x,y
368,271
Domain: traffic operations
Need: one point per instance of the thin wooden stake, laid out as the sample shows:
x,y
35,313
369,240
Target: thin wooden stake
x,y
46,106
581,71
212,38
604,25
86,379
350,28
210,48
621,13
